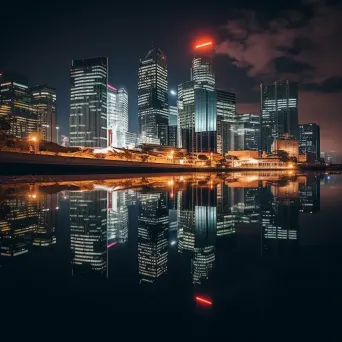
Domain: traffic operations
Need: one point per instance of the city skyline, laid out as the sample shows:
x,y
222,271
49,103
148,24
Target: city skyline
x,y
320,94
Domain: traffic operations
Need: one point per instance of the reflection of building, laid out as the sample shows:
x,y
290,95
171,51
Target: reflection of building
x,y
197,229
279,112
45,234
117,217
153,103
88,230
44,103
19,224
153,223
16,105
309,140
226,114
117,116
309,193
279,217
197,104
88,102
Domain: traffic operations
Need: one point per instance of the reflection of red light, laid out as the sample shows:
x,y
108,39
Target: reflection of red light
x,y
204,44
111,87
112,244
203,300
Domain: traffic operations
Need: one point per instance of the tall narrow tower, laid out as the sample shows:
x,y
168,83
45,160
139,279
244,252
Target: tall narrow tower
x,y
153,102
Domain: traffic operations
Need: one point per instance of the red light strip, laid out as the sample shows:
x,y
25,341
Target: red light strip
x,y
111,87
205,301
202,45
112,244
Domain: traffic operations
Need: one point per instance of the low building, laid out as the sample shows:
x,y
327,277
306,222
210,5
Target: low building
x,y
287,144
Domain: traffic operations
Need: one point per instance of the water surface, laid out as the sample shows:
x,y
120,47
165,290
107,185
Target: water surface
x,y
241,255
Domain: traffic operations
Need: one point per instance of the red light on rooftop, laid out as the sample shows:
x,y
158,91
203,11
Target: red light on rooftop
x,y
203,300
203,45
112,244
111,87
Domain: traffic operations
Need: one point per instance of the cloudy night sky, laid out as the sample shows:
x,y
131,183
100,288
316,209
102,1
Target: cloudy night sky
x,y
256,41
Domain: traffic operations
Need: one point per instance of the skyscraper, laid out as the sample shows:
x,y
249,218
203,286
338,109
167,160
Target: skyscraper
x,y
88,102
226,114
16,105
197,104
117,116
44,104
173,127
279,112
310,140
246,132
153,103
88,230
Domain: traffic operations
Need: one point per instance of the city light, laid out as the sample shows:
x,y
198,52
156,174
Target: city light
x,y
203,300
203,45
112,244
173,92
172,243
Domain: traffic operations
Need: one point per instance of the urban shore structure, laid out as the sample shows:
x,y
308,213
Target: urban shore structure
x,y
204,120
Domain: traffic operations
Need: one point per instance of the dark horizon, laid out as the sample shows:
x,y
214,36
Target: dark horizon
x,y
254,43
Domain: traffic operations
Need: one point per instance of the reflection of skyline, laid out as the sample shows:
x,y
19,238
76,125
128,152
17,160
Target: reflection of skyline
x,y
202,209
153,221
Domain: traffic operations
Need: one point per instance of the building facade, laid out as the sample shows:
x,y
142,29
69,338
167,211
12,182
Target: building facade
x,y
226,116
197,104
153,103
88,102
44,104
16,105
245,132
117,116
279,112
310,140
286,144
173,127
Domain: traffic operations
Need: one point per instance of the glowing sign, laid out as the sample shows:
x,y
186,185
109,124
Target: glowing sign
x,y
111,87
204,44
112,244
203,300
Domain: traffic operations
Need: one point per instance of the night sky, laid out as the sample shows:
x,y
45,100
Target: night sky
x,y
255,41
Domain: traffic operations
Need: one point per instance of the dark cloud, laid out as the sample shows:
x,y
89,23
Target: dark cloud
x,y
331,85
302,44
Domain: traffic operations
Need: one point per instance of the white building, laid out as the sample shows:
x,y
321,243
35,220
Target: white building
x,y
117,112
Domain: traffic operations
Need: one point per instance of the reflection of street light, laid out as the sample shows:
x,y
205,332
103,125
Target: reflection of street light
x,y
57,128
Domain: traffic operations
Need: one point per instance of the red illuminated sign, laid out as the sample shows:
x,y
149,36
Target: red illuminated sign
x,y
203,300
203,45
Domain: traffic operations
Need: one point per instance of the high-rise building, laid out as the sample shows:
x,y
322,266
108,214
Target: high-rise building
x,y
88,102
16,105
131,140
279,112
197,104
44,103
153,103
153,224
226,114
117,116
285,143
310,140
88,230
173,127
245,132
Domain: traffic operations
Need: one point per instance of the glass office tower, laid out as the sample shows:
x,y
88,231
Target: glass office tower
x,y
117,115
44,104
310,140
16,105
279,112
197,104
88,102
153,102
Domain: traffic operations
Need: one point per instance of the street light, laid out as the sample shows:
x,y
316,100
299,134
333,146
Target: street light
x,y
173,92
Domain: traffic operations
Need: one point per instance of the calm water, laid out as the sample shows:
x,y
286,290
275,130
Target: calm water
x,y
243,255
